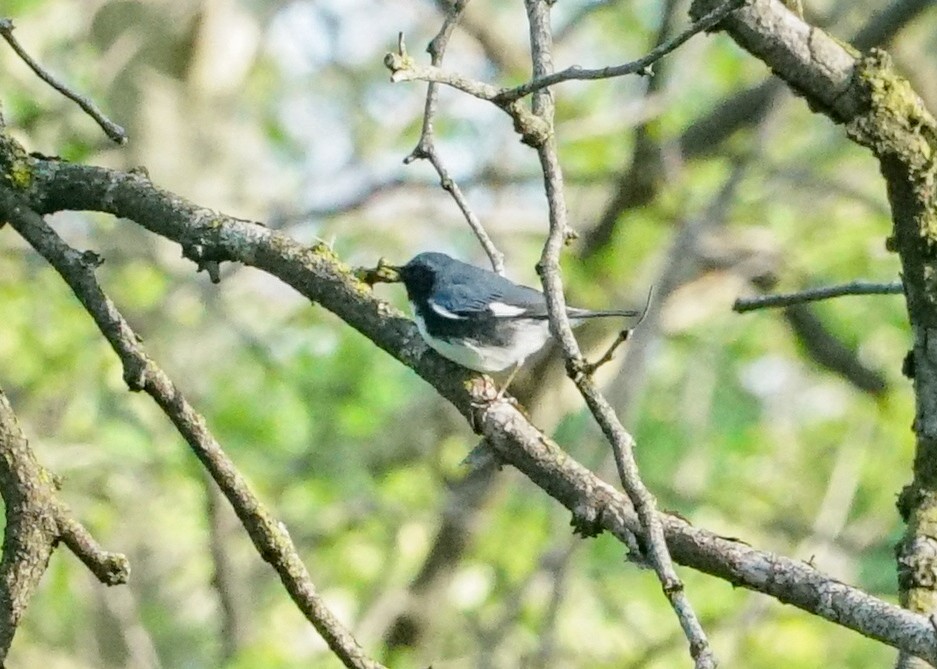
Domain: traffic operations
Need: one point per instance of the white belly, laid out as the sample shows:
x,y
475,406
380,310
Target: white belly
x,y
530,336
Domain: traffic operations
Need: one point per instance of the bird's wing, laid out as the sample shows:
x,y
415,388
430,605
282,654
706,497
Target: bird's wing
x,y
500,299
519,302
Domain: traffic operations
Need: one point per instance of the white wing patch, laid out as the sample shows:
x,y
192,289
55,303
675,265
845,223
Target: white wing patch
x,y
502,309
445,313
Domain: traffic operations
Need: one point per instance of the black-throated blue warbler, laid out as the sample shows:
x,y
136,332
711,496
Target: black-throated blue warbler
x,y
478,318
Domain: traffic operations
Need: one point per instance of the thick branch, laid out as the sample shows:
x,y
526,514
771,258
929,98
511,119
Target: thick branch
x,y
30,533
883,113
319,276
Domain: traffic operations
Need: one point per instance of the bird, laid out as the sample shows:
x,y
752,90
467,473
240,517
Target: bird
x,y
480,319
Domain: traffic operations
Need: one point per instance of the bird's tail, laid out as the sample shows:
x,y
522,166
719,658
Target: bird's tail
x,y
573,312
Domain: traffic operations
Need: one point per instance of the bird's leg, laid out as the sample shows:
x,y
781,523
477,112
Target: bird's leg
x,y
507,383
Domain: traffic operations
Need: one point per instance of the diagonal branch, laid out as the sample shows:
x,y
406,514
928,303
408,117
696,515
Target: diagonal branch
x,y
140,373
622,443
426,146
111,129
790,581
318,275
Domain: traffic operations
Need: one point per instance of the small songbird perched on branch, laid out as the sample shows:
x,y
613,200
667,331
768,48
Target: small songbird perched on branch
x,y
477,318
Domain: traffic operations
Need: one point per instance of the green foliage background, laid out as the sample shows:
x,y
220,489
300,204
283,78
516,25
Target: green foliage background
x,y
281,111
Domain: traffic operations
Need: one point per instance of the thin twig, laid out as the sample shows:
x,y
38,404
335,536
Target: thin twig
x,y
403,68
426,147
111,129
858,287
269,536
640,66
623,336
621,441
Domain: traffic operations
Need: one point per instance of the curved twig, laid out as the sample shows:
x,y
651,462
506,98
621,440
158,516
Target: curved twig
x,y
640,66
111,129
426,146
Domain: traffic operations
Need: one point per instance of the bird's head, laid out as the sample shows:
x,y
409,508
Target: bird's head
x,y
419,275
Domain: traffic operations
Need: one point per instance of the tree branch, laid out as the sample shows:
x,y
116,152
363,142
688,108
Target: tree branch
x,y
857,287
882,112
790,581
640,66
622,443
35,522
111,129
269,536
318,275
109,568
426,146
30,532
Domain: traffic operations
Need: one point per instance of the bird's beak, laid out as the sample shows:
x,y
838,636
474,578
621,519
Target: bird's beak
x,y
394,273
383,273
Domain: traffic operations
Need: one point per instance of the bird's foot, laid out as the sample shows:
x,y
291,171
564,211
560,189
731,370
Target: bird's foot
x,y
485,393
